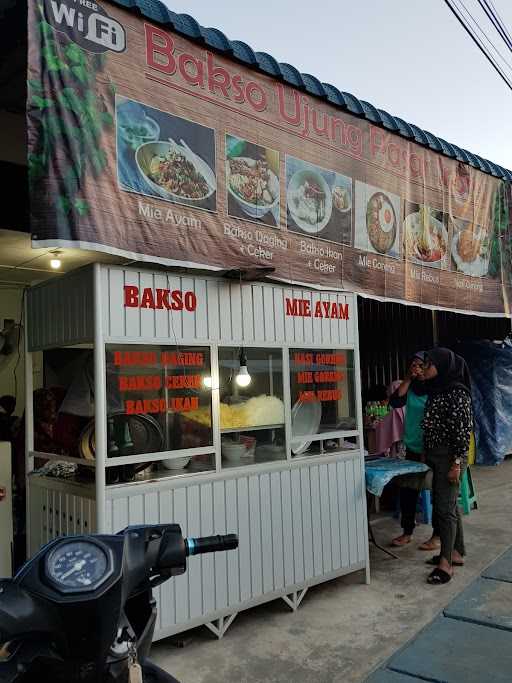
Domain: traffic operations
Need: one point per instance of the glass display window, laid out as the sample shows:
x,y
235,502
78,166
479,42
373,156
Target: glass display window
x,y
161,401
322,391
158,399
252,409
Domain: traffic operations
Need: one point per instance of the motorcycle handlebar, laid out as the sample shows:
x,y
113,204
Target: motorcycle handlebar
x,y
211,544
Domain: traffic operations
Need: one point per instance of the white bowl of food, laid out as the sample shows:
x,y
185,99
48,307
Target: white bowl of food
x,y
426,238
233,451
175,173
176,463
309,200
341,198
470,250
136,133
253,185
381,222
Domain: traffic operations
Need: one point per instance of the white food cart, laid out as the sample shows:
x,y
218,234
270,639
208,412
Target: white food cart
x,y
246,395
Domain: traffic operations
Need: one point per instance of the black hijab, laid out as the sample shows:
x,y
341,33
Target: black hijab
x,y
453,373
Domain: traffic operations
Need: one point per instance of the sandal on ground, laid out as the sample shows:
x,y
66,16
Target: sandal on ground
x,y
430,545
438,577
434,561
400,541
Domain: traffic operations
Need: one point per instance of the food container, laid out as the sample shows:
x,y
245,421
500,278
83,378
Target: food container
x,y
250,446
301,208
149,150
254,210
342,199
233,451
176,463
136,133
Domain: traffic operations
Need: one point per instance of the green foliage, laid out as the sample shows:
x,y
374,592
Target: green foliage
x,y
71,116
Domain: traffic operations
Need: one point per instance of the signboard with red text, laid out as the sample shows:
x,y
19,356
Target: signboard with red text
x,y
147,145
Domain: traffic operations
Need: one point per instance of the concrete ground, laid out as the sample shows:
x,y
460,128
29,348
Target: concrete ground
x,y
343,628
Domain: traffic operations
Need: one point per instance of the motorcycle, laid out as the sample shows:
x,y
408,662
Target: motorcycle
x,y
82,609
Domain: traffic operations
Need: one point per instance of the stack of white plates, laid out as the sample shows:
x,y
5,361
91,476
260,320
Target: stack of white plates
x,y
305,422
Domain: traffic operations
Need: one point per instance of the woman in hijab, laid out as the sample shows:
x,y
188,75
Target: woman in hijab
x,y
447,427
412,396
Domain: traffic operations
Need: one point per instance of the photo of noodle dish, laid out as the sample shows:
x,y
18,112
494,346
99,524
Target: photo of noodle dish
x,y
470,248
309,201
253,185
460,187
165,156
318,201
252,181
177,175
175,171
426,236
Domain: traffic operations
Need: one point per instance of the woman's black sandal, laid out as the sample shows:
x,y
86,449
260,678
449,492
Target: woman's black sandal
x,y
438,577
434,561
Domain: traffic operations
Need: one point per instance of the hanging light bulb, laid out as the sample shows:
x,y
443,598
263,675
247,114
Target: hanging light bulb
x,y
243,378
207,382
55,261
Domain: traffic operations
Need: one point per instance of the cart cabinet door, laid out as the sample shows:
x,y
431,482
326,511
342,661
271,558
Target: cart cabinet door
x,y
296,527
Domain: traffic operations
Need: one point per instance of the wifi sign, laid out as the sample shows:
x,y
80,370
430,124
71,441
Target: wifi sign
x,y
86,24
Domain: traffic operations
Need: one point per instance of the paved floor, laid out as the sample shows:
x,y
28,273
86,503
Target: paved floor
x,y
345,629
470,641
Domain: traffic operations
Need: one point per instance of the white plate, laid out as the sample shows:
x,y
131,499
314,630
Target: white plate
x,y
477,268
305,422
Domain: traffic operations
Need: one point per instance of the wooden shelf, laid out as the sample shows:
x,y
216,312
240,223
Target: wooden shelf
x,y
232,430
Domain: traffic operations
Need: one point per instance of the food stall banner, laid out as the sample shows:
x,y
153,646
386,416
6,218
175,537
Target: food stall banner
x,y
144,144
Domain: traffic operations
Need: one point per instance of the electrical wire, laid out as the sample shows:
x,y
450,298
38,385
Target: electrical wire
x,y
496,22
32,259
496,14
456,12
484,34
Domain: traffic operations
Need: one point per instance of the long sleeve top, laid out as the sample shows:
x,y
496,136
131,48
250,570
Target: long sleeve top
x,y
448,422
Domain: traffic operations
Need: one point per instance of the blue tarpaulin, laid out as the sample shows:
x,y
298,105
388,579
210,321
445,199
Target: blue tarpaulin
x,y
491,380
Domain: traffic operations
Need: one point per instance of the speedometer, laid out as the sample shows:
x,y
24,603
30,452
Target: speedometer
x,y
78,565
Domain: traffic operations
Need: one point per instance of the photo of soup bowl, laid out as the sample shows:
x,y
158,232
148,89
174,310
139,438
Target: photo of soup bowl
x,y
253,210
309,199
147,157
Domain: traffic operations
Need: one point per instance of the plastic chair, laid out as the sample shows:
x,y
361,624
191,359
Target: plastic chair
x,y
467,498
426,506
467,494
